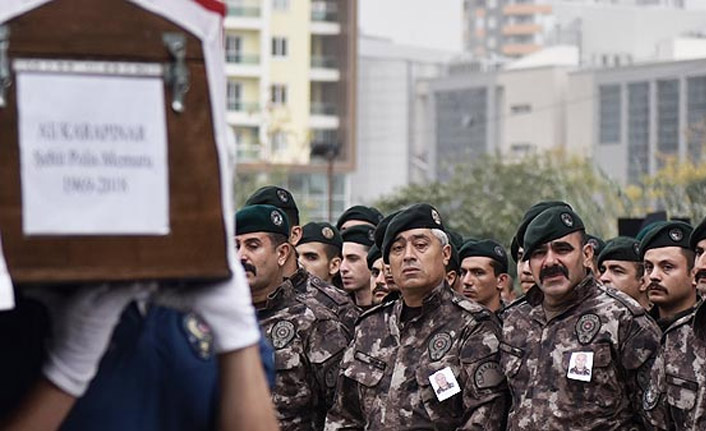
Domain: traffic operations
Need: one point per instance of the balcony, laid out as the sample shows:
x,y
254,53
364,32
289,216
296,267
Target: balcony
x,y
243,113
323,116
324,69
244,16
521,29
325,19
247,65
248,152
527,9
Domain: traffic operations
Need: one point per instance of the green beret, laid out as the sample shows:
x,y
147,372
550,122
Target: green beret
x,y
485,248
360,234
362,213
261,218
531,213
418,216
278,197
698,234
597,244
382,227
622,248
666,234
323,232
373,255
456,241
645,230
553,223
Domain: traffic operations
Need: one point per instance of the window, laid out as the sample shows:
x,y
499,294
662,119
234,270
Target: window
x,y
279,142
696,115
667,117
609,116
279,46
521,109
281,5
638,130
491,22
234,91
234,46
278,94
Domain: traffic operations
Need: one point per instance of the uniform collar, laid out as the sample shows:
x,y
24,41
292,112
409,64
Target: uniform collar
x,y
299,279
430,302
582,291
281,295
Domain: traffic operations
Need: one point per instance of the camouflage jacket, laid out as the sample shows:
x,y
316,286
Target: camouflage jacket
x,y
676,397
666,322
385,373
309,342
537,357
329,296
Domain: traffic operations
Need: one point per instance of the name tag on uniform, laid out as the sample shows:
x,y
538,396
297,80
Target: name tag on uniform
x,y
580,366
444,384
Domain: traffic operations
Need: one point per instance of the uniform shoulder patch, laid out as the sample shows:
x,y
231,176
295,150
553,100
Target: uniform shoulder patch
x,y
374,310
198,334
633,306
468,305
488,375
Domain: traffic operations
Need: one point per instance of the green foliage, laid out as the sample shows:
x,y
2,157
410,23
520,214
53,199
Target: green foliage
x,y
487,197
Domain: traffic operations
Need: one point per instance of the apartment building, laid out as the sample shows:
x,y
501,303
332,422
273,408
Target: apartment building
x,y
291,80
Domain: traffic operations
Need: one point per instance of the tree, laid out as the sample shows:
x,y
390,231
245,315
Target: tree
x,y
487,197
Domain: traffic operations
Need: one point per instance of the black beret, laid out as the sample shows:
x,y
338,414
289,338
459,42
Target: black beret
x,y
597,244
261,218
382,227
485,248
417,216
276,196
698,234
622,248
359,234
362,213
550,224
666,234
373,255
531,213
456,241
515,249
321,232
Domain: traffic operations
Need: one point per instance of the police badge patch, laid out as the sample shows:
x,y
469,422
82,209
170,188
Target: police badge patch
x,y
282,195
676,234
650,398
438,345
636,248
567,219
327,232
436,217
499,251
587,327
281,334
276,218
199,335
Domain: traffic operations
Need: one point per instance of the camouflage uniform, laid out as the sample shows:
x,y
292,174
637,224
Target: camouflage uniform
x,y
676,397
309,342
535,357
666,322
384,382
329,296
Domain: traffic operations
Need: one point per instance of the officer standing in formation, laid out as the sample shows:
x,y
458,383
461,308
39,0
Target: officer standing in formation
x,y
565,317
320,250
676,397
621,268
484,272
307,337
388,373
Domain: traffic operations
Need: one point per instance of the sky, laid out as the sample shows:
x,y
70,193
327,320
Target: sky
x,y
426,23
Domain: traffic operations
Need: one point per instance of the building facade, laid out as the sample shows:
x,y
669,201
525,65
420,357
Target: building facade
x,y
291,80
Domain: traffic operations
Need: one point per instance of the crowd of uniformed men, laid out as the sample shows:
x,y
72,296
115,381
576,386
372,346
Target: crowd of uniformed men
x,y
398,323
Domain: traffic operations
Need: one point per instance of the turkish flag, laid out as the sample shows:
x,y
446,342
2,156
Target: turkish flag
x,y
213,5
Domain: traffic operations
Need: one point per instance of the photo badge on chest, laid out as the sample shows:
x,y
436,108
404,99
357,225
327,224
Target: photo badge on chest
x,y
580,366
444,384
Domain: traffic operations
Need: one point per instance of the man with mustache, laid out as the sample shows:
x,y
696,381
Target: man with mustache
x,y
320,250
399,346
668,263
314,288
677,388
307,338
378,284
621,268
566,315
484,272
355,274
524,274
